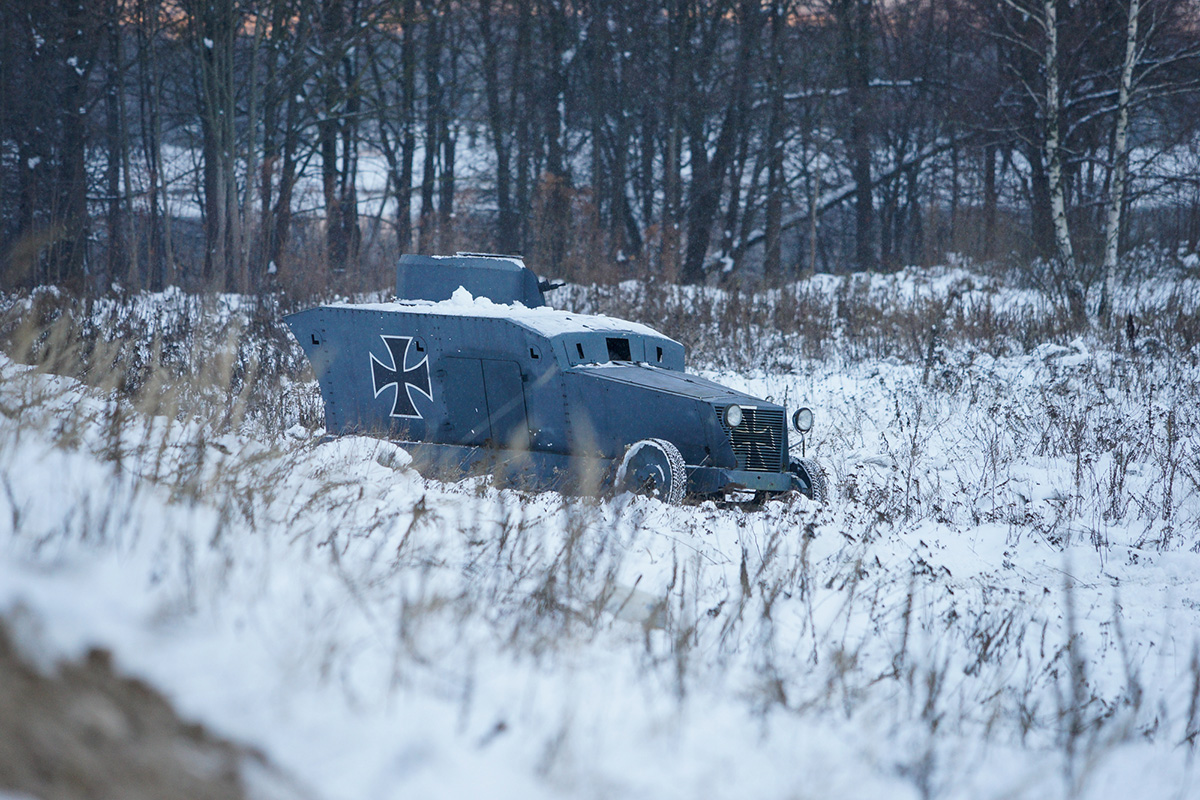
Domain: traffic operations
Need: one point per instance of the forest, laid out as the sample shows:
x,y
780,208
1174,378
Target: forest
x,y
249,145
964,233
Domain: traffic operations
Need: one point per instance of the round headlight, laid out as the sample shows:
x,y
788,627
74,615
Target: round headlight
x,y
802,420
733,416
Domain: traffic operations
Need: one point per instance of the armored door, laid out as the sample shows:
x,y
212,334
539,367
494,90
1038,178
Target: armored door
x,y
506,404
466,420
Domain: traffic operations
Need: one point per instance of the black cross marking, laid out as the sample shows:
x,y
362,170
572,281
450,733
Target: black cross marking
x,y
764,451
395,374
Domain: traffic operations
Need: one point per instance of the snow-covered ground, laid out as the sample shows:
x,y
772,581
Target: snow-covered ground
x,y
1001,600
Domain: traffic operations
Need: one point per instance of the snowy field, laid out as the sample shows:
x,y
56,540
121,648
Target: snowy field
x,y
1001,600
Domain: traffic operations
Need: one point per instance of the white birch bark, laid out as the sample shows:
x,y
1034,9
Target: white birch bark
x,y
1116,189
1054,170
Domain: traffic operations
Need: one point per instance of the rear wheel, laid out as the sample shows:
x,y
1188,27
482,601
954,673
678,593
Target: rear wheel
x,y
653,467
811,479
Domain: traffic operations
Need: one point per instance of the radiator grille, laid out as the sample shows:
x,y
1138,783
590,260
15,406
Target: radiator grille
x,y
759,442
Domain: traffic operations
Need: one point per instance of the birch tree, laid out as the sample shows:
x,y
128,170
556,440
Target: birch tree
x,y
1159,57
1035,30
1116,190
1052,143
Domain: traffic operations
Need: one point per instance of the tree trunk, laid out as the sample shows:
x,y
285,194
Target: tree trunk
x,y
1116,189
555,188
68,253
775,142
731,240
252,267
498,127
351,232
273,96
989,201
648,146
433,122
704,191
915,226
337,133
160,260
1052,142
677,71
216,32
854,17
282,211
116,145
281,158
408,102
1041,214
448,138
519,101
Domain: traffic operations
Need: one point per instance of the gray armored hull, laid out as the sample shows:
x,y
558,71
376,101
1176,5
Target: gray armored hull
x,y
551,398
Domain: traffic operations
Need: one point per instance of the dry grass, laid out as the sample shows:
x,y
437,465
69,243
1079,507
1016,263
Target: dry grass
x,y
812,618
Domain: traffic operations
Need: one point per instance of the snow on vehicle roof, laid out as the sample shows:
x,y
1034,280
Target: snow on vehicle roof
x,y
545,320
484,257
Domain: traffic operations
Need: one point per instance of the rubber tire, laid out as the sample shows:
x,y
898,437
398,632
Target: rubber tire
x,y
653,467
813,476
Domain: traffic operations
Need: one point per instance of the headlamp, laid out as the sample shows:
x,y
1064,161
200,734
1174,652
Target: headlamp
x,y
802,420
733,416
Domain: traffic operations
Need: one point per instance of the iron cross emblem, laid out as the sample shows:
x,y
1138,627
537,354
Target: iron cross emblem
x,y
763,445
405,379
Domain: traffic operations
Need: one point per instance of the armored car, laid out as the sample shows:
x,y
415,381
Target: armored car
x,y
469,370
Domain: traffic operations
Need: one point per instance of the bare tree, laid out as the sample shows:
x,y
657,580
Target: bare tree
x,y
854,54
286,71
213,26
394,93
708,168
338,129
779,11
160,259
499,125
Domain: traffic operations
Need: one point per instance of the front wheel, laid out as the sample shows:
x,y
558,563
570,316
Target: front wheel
x,y
653,467
809,479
